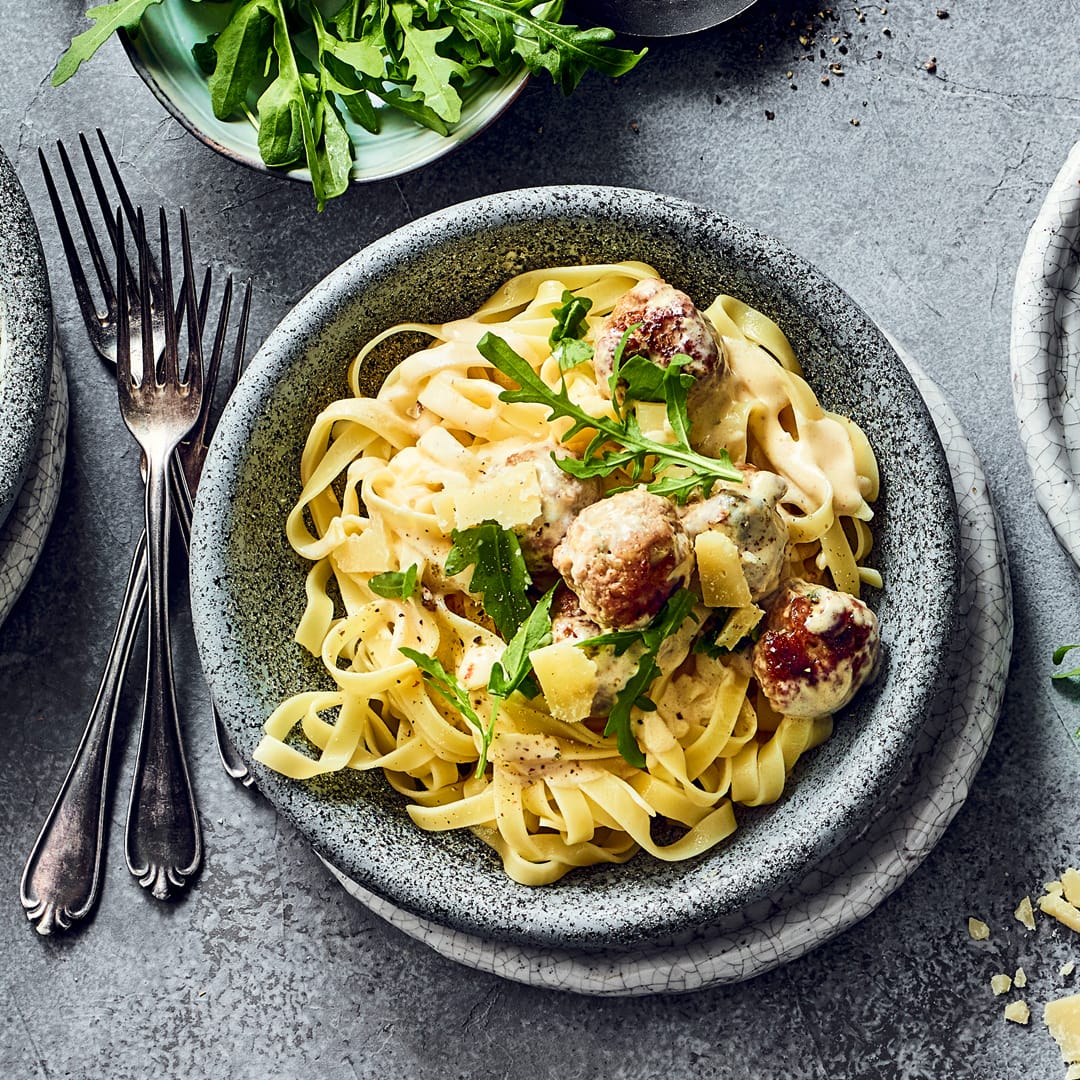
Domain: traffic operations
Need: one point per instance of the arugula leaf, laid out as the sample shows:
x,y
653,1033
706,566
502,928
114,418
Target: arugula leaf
x,y
678,608
430,72
107,19
241,55
570,327
499,573
635,453
396,584
447,684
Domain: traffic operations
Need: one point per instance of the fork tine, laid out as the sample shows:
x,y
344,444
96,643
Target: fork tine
x,y
194,374
170,357
123,329
78,276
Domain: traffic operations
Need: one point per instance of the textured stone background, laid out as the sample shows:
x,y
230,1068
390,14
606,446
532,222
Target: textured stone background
x,y
920,211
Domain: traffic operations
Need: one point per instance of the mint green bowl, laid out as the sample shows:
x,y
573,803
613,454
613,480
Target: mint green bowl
x,y
160,51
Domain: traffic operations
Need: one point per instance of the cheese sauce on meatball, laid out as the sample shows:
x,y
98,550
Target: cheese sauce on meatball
x,y
667,325
818,647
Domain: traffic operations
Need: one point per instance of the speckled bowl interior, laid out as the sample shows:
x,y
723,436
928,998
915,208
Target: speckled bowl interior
x,y
25,337
248,586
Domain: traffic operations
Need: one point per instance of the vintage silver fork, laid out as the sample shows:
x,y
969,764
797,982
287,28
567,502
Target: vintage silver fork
x,y
160,405
101,328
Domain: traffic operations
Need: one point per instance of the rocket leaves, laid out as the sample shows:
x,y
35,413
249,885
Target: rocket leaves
x,y
303,74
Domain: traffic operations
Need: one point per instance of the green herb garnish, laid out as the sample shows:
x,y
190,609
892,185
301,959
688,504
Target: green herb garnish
x,y
635,453
679,607
570,327
396,584
509,673
499,574
414,56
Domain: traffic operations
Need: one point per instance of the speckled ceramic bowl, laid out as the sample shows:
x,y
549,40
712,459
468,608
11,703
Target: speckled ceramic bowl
x,y
26,354
248,586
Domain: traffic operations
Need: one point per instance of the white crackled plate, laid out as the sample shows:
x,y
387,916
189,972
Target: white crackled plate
x,y
1045,354
851,881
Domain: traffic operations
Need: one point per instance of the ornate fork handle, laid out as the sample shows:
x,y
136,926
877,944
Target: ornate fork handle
x,y
163,844
62,878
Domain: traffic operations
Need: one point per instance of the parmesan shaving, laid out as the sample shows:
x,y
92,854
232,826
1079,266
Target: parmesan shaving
x,y
1025,913
978,930
723,583
1061,909
1070,882
1067,968
568,679
1018,1012
1000,984
1062,1017
511,497
740,622
1020,979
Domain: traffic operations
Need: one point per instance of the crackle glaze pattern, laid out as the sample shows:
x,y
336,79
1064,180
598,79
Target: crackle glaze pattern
x,y
23,534
849,883
1045,354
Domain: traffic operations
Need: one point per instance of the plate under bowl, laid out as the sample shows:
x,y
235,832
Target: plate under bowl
x,y
248,585
161,53
26,337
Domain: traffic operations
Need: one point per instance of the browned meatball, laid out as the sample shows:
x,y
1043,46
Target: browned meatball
x,y
818,647
747,513
561,497
670,325
624,556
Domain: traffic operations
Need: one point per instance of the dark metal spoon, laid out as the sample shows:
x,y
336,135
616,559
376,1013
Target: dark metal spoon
x,y
659,18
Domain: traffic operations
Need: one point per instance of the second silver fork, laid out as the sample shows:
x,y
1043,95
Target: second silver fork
x,y
163,843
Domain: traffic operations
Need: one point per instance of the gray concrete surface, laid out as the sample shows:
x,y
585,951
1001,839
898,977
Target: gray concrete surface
x,y
268,969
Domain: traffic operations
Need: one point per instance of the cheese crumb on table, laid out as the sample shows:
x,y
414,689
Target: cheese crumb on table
x,y
1062,1017
1025,913
1018,1012
978,930
1067,968
1020,978
1060,908
1000,984
1070,882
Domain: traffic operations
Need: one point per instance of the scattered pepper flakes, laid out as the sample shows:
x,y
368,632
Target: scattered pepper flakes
x,y
941,13
769,114
978,930
825,82
1000,984
931,65
1025,913
1018,1012
854,121
886,31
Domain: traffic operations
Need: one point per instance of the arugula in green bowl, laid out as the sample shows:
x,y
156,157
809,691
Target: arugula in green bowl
x,y
307,71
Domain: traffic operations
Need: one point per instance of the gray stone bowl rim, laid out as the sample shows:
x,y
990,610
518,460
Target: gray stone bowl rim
x,y
26,354
456,881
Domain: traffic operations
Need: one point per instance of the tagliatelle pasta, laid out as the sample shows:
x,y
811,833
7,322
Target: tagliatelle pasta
x,y
387,482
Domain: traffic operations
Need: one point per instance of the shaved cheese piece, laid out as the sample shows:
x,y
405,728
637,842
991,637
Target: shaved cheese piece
x,y
1061,910
1067,968
568,679
1062,1017
739,623
978,930
1020,978
1025,913
1000,984
1018,1012
1070,882
1054,888
362,553
723,583
510,497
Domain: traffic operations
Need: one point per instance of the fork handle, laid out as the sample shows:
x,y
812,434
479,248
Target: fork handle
x,y
163,842
182,512
62,878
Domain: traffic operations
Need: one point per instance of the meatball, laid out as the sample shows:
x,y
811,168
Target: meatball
x,y
818,647
747,514
624,556
562,496
670,325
